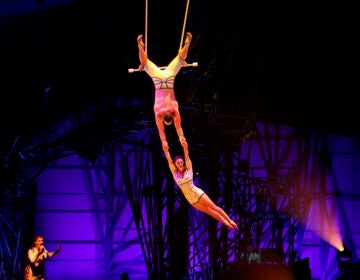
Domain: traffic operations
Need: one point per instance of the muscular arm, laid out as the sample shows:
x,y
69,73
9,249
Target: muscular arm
x,y
165,145
161,129
171,164
179,130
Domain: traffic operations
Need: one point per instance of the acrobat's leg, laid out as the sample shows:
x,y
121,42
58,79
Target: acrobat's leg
x,y
141,47
207,210
206,201
183,52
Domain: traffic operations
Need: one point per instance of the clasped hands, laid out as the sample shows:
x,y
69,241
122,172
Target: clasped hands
x,y
183,142
165,146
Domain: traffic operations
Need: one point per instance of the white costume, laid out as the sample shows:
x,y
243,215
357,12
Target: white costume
x,y
191,192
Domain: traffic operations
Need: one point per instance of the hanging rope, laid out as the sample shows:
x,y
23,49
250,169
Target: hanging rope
x,y
146,23
184,24
131,70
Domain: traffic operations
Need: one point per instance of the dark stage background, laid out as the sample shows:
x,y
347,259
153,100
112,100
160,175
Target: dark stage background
x,y
274,92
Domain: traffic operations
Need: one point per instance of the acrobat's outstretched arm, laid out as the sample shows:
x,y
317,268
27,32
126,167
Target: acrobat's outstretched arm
x,y
171,164
186,155
161,129
179,130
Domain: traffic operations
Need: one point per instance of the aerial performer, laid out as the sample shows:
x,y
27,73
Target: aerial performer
x,y
182,172
166,110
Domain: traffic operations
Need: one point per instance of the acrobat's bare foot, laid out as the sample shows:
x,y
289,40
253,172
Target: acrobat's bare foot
x,y
233,224
188,38
140,40
228,225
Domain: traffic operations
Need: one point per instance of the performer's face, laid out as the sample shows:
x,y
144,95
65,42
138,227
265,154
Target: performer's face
x,y
39,242
179,163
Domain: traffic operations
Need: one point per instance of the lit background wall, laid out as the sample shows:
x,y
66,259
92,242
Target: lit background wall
x,y
71,209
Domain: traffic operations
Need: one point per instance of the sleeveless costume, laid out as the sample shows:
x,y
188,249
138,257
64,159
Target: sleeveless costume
x,y
165,102
164,79
191,192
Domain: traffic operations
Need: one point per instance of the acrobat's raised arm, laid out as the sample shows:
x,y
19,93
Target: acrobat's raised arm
x,y
186,155
171,164
178,128
162,134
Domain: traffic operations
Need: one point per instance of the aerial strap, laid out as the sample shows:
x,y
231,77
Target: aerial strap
x,y
131,70
147,17
184,24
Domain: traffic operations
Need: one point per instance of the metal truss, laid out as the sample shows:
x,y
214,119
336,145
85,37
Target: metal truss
x,y
177,241
85,133
267,208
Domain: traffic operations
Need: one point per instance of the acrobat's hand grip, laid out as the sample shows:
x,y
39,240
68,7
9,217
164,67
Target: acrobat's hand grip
x,y
132,70
194,64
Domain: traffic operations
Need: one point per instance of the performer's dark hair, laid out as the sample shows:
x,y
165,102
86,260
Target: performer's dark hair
x,y
176,157
168,119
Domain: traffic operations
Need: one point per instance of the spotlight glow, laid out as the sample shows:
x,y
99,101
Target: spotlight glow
x,y
325,223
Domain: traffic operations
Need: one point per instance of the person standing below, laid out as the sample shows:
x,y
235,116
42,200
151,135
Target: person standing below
x,y
36,256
